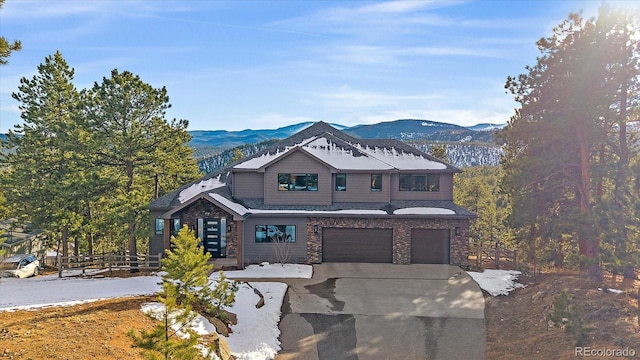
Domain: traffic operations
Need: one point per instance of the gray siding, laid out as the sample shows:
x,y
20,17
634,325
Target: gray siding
x,y
359,189
445,193
255,253
297,163
156,241
248,185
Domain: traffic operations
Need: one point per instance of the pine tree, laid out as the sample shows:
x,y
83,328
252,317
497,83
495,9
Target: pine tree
x,y
6,47
185,287
41,180
136,144
559,153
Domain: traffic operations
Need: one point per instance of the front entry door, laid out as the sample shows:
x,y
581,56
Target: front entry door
x,y
211,237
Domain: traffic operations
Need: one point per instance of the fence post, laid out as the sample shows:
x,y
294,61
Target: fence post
x,y
59,265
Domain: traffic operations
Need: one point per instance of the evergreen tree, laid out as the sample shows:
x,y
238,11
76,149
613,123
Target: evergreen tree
x,y
440,152
6,47
41,180
137,144
558,145
185,286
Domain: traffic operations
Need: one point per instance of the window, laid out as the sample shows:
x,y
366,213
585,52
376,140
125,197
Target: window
x,y
376,182
341,182
298,182
159,226
413,182
176,226
275,233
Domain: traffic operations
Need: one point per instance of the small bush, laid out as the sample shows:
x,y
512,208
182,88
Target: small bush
x,y
569,316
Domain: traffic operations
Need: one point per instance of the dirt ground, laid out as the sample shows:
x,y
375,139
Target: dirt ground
x,y
517,325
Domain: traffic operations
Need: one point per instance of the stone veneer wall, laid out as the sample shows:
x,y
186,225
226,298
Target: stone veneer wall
x,y
204,209
459,244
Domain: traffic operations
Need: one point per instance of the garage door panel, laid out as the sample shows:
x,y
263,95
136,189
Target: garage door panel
x,y
430,246
357,245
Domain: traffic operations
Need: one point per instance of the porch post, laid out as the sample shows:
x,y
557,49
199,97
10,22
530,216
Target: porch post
x,y
167,234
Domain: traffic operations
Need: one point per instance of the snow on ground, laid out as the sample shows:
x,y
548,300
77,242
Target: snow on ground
x,y
254,337
615,291
49,290
266,270
497,282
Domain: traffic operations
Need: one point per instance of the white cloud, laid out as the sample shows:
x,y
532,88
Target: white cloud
x,y
346,97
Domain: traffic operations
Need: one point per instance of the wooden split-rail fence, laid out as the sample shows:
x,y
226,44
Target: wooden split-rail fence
x,y
108,262
492,256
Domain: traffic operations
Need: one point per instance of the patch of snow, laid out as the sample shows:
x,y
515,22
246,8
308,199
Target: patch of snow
x,y
197,188
229,204
255,337
47,291
319,212
615,291
266,270
497,282
424,211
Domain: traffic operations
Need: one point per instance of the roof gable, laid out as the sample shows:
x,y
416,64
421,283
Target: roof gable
x,y
344,152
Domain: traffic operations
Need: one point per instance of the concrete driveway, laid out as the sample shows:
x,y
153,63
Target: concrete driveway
x,y
383,311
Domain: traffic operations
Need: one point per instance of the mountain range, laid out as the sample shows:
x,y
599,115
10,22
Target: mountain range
x,y
398,129
466,146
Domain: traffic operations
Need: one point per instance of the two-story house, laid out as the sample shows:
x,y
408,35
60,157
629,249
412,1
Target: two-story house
x,y
323,196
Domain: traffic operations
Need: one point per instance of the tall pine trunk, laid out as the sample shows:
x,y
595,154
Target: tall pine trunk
x,y
588,243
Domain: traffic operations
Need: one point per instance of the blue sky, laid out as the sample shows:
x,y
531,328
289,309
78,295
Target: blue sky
x,y
236,65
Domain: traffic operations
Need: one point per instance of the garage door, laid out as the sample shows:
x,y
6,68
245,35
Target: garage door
x,y
357,245
429,246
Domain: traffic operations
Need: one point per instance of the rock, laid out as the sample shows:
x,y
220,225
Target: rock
x,y
230,317
219,344
221,327
537,295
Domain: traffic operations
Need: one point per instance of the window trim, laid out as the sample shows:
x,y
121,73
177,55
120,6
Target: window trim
x,y
289,230
288,186
431,182
159,227
379,187
335,187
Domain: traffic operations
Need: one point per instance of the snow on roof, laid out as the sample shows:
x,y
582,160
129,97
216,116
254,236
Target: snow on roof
x,y
264,159
197,188
341,158
231,205
357,157
402,160
319,212
424,211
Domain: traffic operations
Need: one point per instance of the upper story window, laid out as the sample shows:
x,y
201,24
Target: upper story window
x,y
297,182
411,182
376,182
341,182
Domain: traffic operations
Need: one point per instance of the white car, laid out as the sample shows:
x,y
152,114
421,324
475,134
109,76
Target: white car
x,y
20,266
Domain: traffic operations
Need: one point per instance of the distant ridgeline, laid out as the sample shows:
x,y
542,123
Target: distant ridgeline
x,y
465,146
